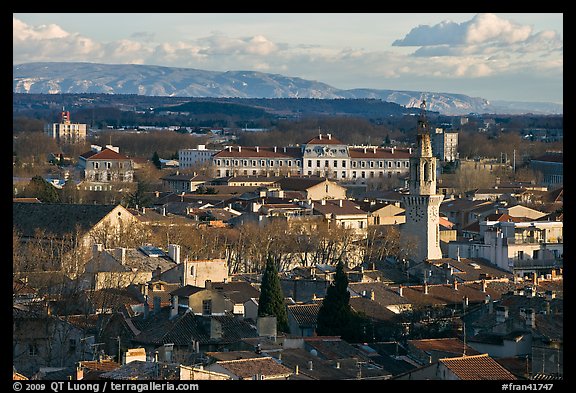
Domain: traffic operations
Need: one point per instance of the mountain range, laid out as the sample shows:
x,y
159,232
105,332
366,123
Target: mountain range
x,y
149,80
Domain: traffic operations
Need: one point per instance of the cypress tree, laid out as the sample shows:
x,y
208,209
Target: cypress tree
x,y
156,160
271,301
335,314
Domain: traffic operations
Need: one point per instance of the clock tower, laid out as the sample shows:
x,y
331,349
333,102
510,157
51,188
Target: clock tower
x,y
422,203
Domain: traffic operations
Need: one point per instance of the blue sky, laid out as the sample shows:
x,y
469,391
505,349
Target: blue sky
x,y
516,57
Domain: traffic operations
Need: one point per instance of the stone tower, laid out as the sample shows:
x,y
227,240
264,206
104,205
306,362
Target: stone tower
x,y
422,203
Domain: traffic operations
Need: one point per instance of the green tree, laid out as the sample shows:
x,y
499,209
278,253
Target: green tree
x,y
156,160
335,313
336,317
41,189
271,301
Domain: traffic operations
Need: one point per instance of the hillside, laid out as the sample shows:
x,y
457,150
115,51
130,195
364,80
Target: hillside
x,y
59,77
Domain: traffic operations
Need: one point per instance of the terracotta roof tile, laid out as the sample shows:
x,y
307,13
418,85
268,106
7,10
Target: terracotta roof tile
x,y
358,152
248,368
263,152
477,367
324,139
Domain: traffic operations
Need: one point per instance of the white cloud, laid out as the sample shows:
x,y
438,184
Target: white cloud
x,y
489,27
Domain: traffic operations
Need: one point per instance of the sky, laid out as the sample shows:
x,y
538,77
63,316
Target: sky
x,y
500,56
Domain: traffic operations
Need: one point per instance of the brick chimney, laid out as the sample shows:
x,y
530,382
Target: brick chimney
x,y
174,307
157,305
120,254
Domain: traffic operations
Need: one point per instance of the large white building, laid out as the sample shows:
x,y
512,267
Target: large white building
x,y
189,158
66,131
515,246
323,156
445,145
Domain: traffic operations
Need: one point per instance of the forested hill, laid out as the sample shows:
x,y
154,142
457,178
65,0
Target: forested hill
x,y
149,80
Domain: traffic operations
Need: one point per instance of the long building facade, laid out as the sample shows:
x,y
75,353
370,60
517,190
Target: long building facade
x,y
323,156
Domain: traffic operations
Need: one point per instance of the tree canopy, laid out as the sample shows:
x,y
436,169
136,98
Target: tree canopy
x,y
271,301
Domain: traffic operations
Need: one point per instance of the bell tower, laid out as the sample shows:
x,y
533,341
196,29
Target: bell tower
x,y
422,203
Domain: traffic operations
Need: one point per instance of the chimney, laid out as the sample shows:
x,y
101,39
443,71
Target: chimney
x,y
458,253
208,284
275,149
156,304
120,254
483,285
229,148
156,273
371,294
400,288
146,307
535,278
296,370
174,252
530,316
340,202
329,136
501,314
409,150
425,288
455,285
257,149
320,136
174,307
215,329
392,150
323,202
364,150
310,365
79,372
284,149
97,249
465,302
239,149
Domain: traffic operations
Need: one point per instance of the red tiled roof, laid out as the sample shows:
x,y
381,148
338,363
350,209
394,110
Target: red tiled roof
x,y
263,152
453,345
326,139
104,154
477,367
248,368
370,152
333,206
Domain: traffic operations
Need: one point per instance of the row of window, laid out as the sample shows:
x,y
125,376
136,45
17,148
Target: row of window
x,y
263,163
106,165
289,163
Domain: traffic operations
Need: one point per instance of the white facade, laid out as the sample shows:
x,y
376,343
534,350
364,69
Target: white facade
x,y
66,131
508,244
445,145
189,158
322,156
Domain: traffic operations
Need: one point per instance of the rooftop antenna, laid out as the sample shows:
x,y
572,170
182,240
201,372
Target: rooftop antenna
x,y
464,332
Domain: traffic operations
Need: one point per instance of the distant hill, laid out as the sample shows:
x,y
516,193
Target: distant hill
x,y
64,77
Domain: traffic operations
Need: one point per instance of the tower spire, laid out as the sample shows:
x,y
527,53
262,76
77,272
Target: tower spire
x,y
422,121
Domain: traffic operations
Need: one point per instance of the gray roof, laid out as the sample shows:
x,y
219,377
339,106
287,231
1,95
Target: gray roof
x,y
184,328
56,218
